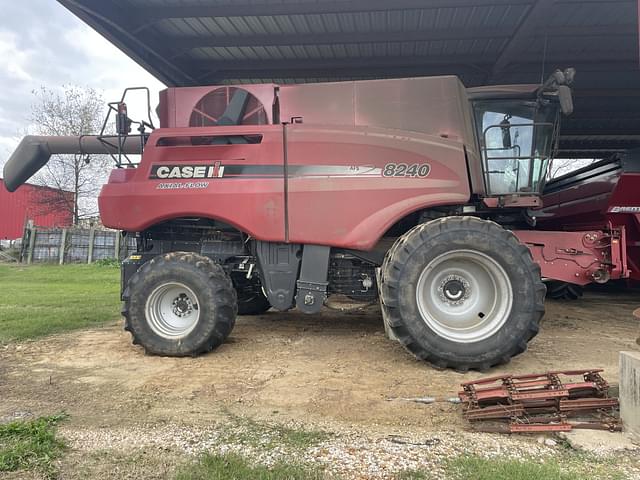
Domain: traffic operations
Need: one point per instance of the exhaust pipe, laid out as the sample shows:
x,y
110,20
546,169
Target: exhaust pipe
x,y
34,152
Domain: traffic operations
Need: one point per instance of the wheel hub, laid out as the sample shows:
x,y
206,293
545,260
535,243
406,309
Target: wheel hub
x,y
182,305
172,310
464,296
454,290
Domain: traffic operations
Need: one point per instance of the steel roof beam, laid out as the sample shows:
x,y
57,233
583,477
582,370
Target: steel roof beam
x,y
589,31
339,38
362,66
590,130
604,115
604,67
599,138
345,74
298,67
569,59
579,152
237,9
470,76
188,43
604,143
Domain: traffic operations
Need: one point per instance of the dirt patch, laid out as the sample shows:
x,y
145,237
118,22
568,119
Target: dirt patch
x,y
334,372
335,368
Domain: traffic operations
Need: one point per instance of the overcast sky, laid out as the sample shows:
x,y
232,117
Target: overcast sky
x,y
43,44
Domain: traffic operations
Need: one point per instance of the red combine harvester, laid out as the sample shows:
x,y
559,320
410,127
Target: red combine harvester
x,y
416,191
601,196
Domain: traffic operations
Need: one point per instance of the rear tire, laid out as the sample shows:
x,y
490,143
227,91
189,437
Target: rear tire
x,y
179,304
563,290
462,292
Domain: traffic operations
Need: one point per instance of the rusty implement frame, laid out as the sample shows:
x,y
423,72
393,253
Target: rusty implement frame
x,y
540,402
541,427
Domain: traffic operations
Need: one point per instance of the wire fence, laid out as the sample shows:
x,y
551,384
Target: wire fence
x,y
74,245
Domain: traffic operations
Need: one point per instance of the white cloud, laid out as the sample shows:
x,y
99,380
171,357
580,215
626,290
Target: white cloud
x,y
51,47
13,60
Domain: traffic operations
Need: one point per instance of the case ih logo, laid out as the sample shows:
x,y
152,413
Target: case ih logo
x,y
624,210
187,172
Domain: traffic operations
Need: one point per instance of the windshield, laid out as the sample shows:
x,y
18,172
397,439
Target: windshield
x,y
516,140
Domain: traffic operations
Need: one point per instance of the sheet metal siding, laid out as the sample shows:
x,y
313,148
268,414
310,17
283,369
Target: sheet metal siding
x,y
496,17
24,204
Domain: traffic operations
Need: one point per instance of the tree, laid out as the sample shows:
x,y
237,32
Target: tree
x,y
563,166
72,111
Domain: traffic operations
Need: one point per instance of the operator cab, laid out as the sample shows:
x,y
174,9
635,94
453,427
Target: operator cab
x,y
516,141
517,130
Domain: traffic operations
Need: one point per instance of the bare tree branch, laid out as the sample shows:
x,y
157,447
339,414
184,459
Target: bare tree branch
x,y
562,166
72,111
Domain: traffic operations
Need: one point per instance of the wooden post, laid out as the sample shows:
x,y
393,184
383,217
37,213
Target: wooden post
x,y
32,243
116,250
26,235
63,246
92,235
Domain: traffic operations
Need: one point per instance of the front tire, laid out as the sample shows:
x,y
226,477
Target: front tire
x,y
179,304
462,292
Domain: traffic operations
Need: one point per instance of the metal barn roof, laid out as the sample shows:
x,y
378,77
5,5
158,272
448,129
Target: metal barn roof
x,y
196,42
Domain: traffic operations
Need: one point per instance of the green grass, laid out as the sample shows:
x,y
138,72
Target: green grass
x,y
476,468
30,445
412,475
248,435
235,467
107,262
247,431
40,300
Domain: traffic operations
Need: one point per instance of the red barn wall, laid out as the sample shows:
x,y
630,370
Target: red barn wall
x,y
30,202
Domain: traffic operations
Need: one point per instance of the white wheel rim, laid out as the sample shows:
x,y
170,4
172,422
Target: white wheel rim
x,y
172,310
464,296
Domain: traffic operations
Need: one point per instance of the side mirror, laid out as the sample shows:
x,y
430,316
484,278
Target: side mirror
x,y
569,75
123,122
566,99
505,126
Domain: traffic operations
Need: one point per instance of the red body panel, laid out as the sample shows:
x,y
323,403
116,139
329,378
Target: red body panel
x,y
131,201
354,208
337,194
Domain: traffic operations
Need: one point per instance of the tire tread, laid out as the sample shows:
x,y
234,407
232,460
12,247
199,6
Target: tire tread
x,y
406,245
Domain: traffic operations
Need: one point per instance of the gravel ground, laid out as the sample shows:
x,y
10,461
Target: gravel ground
x,y
344,455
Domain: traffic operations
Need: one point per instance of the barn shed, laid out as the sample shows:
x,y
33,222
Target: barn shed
x,y
46,207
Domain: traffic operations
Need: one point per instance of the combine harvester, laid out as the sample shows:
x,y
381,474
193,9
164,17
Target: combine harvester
x,y
602,196
417,192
